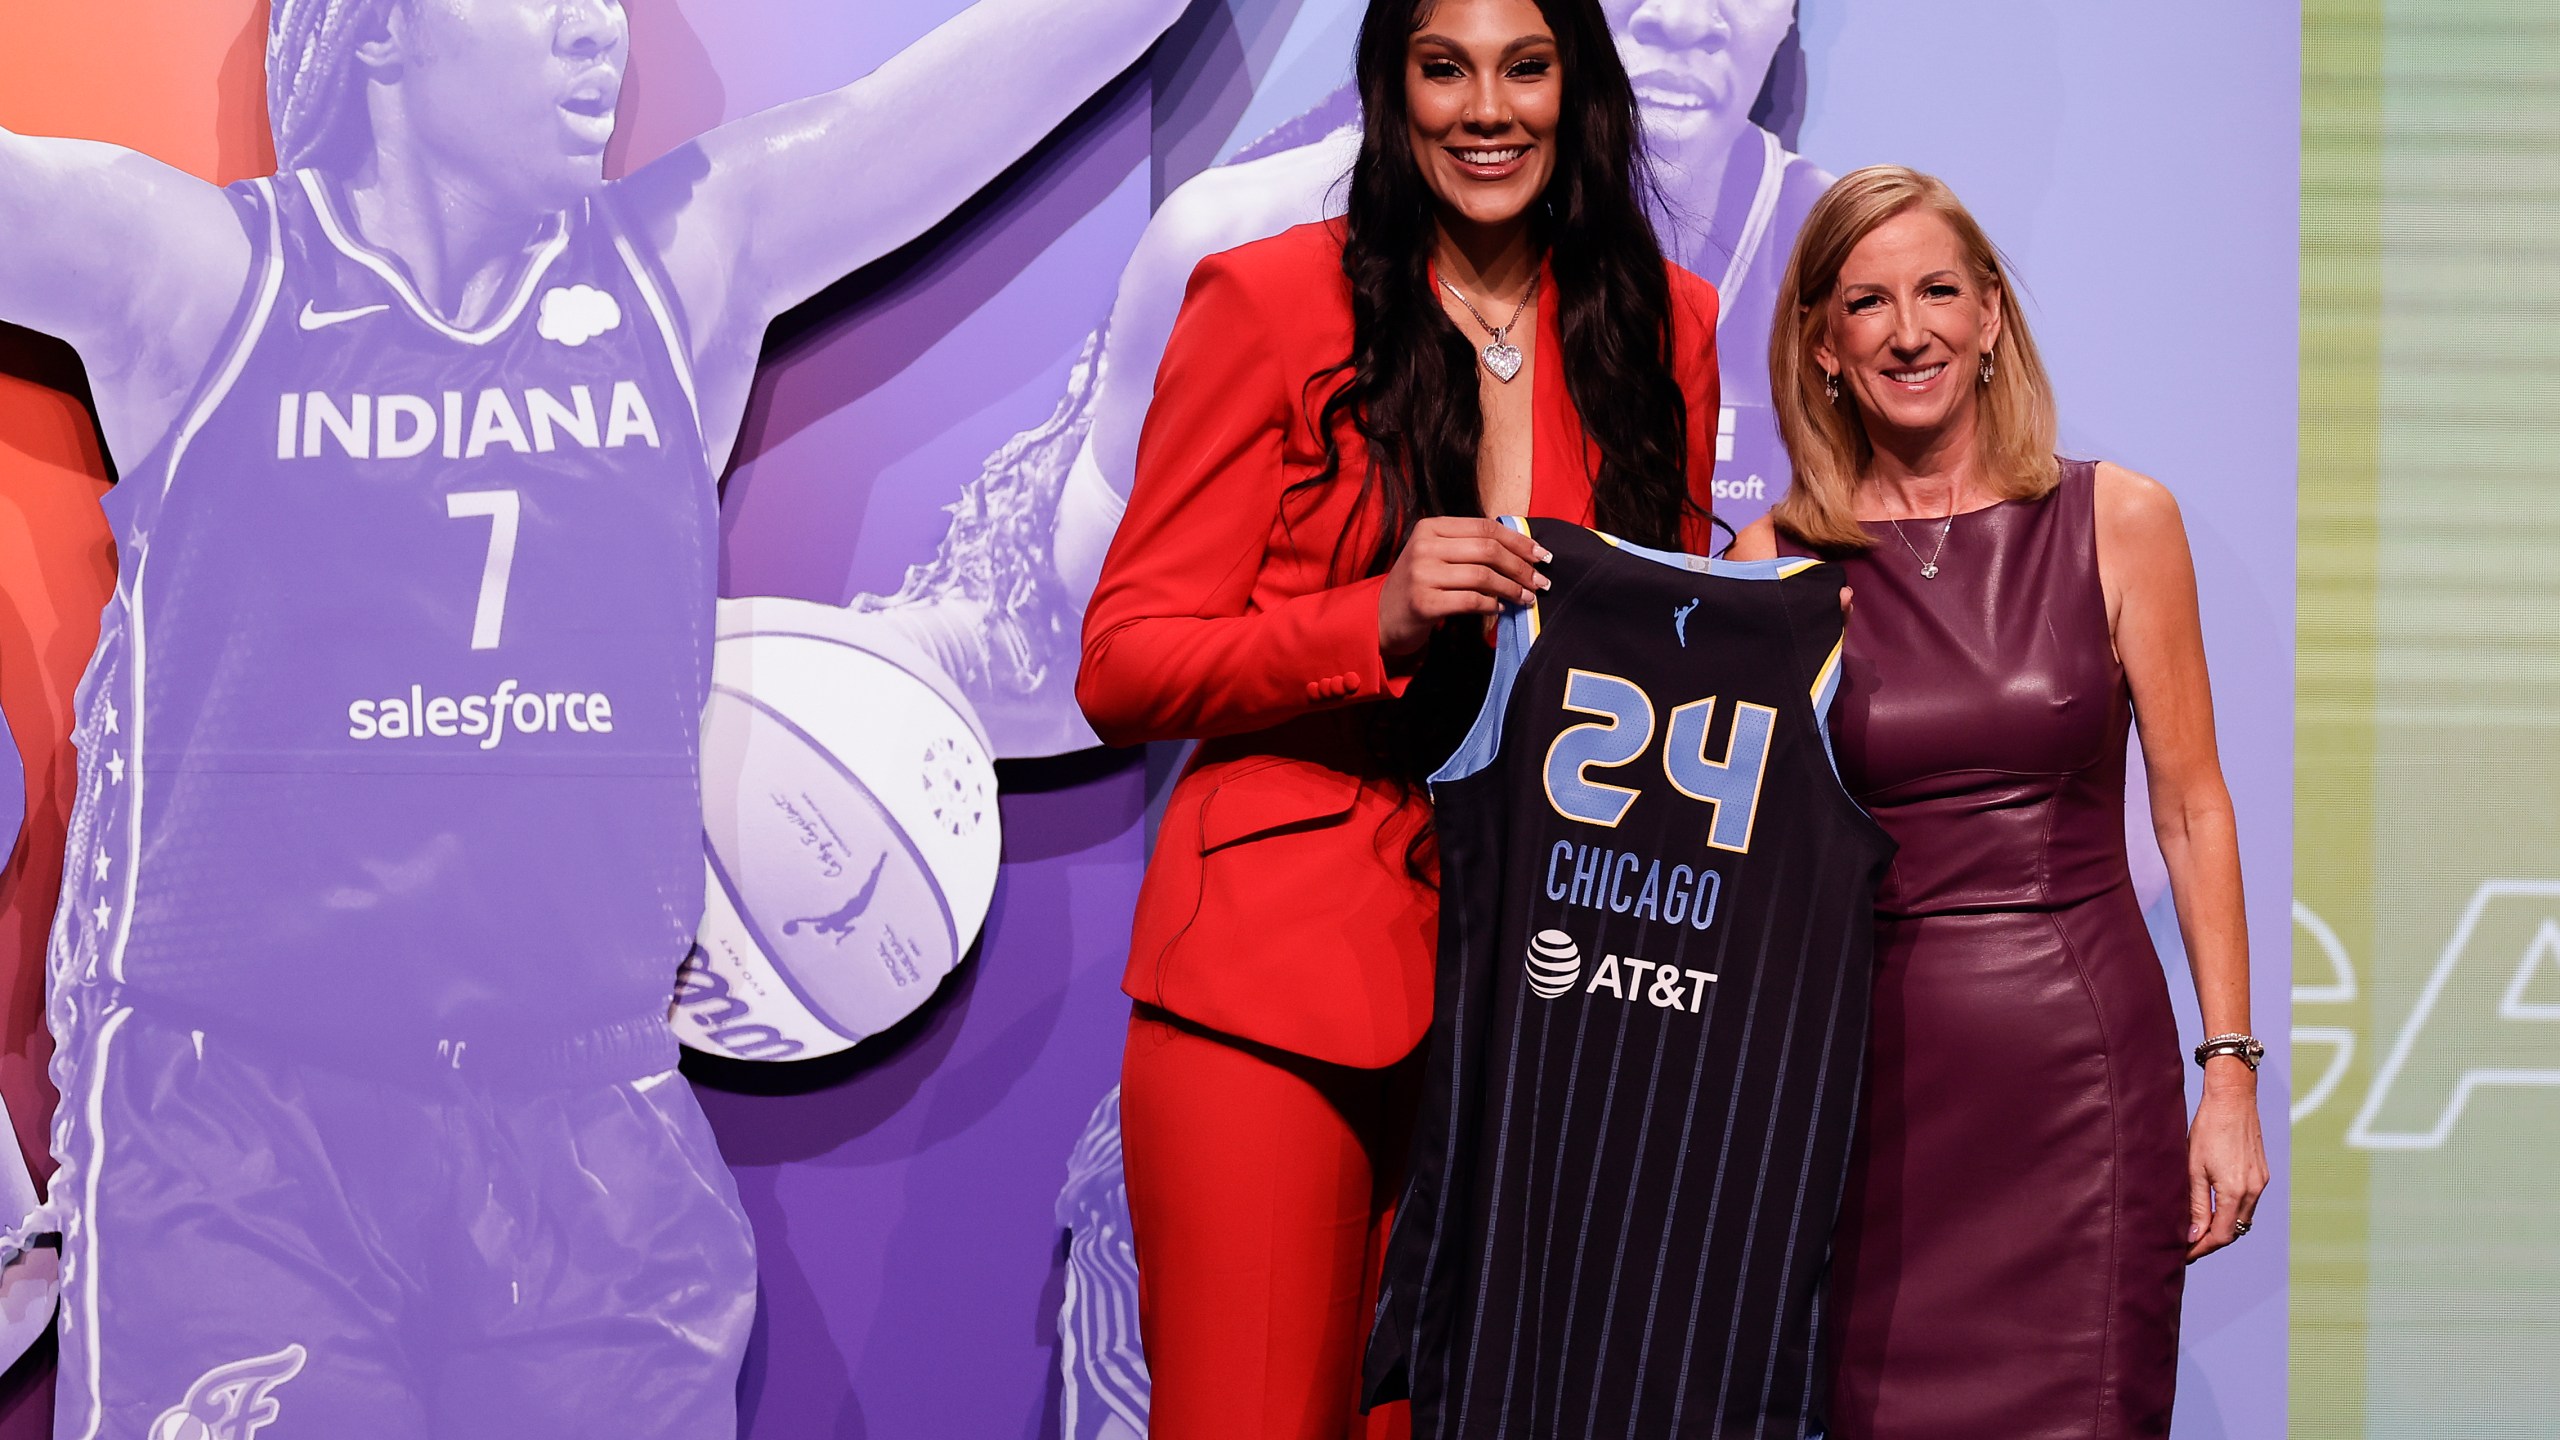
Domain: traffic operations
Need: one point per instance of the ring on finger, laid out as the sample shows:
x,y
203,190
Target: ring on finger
x,y
2239,1228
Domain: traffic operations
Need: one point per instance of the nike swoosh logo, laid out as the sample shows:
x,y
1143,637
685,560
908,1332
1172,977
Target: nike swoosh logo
x,y
321,319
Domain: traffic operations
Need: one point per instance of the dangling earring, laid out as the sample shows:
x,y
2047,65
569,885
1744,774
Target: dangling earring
x,y
1831,387
1986,367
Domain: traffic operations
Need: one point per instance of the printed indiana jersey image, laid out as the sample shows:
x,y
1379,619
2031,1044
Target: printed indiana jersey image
x,y
389,839
517,521
1651,1020
295,926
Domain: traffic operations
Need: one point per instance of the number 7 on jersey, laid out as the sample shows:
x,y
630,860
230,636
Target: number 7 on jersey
x,y
502,509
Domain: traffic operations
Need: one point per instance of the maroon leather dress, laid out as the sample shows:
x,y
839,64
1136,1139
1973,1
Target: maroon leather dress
x,y
2010,1255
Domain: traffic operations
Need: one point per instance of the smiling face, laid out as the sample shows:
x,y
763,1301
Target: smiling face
x,y
517,95
1907,324
1483,94
1698,64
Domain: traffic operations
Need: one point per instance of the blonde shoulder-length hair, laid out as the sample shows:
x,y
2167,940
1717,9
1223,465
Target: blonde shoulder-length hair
x,y
1825,439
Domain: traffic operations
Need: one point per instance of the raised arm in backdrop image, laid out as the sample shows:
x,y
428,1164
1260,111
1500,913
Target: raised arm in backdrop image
x,y
1720,87
386,849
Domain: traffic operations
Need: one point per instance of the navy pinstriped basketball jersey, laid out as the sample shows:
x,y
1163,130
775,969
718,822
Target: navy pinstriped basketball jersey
x,y
1651,1018
392,729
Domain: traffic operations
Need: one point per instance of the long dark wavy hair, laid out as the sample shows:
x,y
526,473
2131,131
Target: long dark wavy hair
x,y
1409,386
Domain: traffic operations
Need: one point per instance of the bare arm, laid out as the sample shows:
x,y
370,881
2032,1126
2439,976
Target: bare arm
x,y
762,213
2149,577
1758,541
1217,209
136,264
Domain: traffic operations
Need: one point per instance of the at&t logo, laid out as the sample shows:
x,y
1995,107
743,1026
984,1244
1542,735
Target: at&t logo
x,y
1555,964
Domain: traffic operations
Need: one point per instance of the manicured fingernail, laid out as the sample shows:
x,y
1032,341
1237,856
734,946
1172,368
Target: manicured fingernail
x,y
1545,554
1545,584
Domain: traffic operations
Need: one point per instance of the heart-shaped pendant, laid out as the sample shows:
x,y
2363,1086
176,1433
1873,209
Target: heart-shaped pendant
x,y
1503,360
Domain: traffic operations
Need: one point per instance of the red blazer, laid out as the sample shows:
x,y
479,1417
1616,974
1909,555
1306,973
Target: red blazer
x,y
1277,906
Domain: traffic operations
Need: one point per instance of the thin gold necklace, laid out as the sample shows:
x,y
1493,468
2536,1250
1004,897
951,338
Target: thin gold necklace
x,y
1929,564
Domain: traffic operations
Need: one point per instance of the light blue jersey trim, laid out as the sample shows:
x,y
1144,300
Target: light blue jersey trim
x,y
1511,642
1517,631
1777,569
1826,688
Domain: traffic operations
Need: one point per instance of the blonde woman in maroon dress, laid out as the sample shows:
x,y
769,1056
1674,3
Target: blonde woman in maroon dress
x,y
2027,1188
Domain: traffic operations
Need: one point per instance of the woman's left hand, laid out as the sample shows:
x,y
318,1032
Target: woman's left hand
x,y
2226,1166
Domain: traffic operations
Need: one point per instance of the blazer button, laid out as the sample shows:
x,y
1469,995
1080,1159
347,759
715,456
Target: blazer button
x,y
1315,689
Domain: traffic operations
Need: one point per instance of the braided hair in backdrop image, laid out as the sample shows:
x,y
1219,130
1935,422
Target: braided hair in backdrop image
x,y
311,90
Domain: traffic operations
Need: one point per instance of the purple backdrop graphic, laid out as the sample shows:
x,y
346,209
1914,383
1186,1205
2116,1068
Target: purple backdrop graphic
x,y
929,463
925,477
927,466
360,989
27,1278
940,443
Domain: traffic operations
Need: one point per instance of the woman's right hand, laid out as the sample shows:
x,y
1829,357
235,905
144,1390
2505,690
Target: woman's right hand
x,y
1454,566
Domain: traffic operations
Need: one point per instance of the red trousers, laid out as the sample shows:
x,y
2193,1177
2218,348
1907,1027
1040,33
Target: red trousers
x,y
1260,1187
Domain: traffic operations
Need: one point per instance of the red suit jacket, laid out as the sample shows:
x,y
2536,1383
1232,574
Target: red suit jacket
x,y
1278,906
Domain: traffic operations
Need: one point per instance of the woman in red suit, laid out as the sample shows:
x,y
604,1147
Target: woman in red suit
x,y
1490,329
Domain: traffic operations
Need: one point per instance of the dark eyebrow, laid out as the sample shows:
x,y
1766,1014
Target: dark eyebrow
x,y
1525,42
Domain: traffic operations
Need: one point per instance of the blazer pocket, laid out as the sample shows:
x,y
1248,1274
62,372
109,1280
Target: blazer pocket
x,y
1272,796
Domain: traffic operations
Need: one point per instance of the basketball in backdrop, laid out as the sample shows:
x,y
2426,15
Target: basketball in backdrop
x,y
850,827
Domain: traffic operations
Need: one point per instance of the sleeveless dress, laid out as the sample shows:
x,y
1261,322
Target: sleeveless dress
x,y
2012,1249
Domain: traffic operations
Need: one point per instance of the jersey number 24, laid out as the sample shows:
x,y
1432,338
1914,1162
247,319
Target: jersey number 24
x,y
1624,730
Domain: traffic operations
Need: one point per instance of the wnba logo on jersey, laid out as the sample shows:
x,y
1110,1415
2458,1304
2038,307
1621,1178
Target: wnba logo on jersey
x,y
310,424
230,1402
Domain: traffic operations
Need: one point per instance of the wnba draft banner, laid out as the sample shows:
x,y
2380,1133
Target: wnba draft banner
x,y
2426,1011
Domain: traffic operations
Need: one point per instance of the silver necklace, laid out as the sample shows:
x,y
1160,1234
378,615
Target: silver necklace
x,y
1499,355
1929,565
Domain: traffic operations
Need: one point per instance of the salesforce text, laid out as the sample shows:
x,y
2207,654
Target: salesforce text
x,y
528,712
